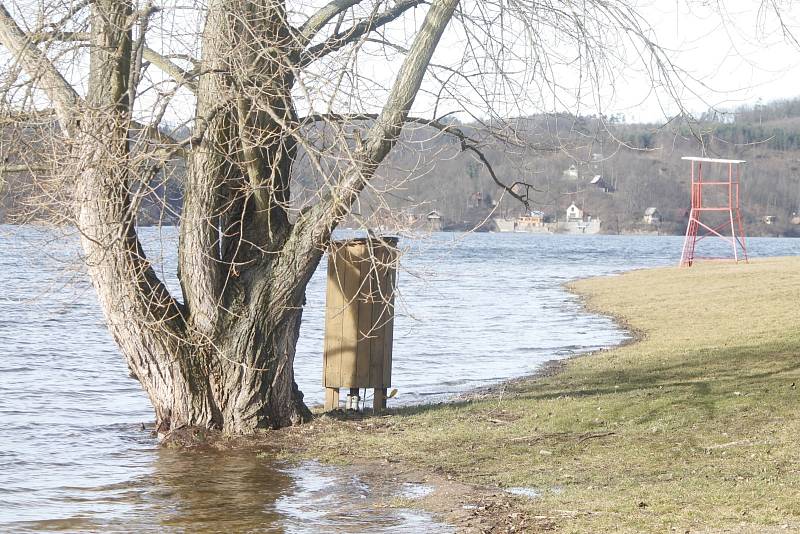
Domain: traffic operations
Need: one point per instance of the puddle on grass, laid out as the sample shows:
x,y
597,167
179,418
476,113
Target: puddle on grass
x,y
415,491
327,500
530,493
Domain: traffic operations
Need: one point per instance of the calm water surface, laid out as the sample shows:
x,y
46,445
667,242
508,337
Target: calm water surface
x,y
474,310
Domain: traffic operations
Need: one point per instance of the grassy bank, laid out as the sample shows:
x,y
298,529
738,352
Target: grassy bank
x,y
695,426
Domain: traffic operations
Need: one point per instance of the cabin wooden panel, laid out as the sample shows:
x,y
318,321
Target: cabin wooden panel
x,y
331,398
352,284
388,328
332,371
381,316
365,326
359,315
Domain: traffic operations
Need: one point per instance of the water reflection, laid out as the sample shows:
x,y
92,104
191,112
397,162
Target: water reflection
x,y
211,490
235,491
326,499
240,491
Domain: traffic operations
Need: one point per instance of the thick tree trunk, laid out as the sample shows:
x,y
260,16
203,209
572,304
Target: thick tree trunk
x,y
236,396
146,322
224,357
262,395
243,318
223,360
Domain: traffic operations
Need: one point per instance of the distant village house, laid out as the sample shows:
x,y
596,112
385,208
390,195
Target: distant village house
x,y
571,173
601,184
574,213
434,221
652,216
578,222
534,218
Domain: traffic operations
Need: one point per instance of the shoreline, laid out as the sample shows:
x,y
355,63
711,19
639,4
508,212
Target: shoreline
x,y
533,431
682,426
546,368
466,507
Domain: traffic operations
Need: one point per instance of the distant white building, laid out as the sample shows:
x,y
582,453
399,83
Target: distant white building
x,y
652,216
574,213
434,219
571,173
578,223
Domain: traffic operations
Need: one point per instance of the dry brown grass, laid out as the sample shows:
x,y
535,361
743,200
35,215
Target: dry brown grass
x,y
693,427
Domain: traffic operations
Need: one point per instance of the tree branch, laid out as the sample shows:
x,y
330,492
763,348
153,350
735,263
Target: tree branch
x,y
180,75
4,169
467,144
65,99
74,10
318,20
354,33
313,230
59,35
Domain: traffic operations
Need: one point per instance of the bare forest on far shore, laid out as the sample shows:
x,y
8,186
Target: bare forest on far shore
x,y
612,169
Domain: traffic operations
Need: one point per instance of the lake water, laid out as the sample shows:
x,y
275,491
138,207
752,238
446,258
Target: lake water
x,y
474,310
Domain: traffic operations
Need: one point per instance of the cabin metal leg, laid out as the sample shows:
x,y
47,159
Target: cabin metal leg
x,y
331,399
379,397
353,399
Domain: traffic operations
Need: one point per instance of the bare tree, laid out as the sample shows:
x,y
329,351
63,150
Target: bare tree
x,y
295,107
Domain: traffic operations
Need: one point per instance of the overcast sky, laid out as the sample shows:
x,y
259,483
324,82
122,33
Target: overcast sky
x,y
733,54
726,53
736,51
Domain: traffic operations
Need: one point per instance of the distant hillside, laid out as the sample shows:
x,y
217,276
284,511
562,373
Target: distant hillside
x,y
36,190
638,166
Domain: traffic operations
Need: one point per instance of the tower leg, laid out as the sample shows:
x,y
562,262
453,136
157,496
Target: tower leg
x,y
687,255
742,238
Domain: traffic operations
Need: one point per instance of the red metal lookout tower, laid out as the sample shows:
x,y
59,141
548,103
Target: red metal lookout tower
x,y
715,208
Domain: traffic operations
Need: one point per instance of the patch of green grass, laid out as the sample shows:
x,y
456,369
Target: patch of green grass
x,y
694,426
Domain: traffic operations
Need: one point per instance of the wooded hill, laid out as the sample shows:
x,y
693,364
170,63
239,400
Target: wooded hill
x,y
559,156
639,166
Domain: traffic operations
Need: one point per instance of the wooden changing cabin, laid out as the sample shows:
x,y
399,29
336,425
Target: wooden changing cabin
x,y
359,318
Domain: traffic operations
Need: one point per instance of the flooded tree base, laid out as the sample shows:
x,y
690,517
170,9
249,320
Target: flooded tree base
x,y
189,437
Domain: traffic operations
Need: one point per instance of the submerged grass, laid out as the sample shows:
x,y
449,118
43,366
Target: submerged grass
x,y
695,426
